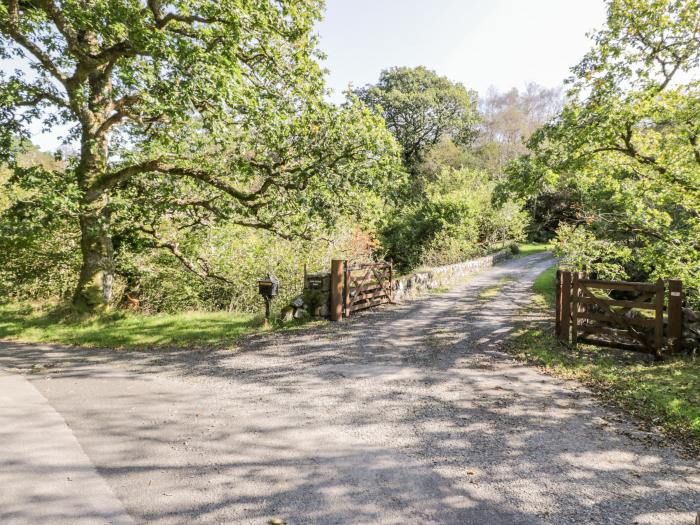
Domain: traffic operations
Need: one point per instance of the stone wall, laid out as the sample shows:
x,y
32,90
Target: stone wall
x,y
691,330
410,285
314,300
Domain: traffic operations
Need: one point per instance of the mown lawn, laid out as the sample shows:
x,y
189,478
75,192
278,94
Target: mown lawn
x,y
663,394
125,329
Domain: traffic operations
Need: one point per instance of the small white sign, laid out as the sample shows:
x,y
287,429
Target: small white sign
x,y
675,294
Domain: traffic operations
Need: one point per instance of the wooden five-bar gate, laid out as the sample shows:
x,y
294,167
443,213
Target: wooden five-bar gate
x,y
629,315
356,287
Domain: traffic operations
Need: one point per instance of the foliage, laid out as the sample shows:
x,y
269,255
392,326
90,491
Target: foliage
x,y
445,154
40,255
39,235
444,214
552,206
628,141
421,108
188,114
455,221
509,119
580,250
666,394
239,256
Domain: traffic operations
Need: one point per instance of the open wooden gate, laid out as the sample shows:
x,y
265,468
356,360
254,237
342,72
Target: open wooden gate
x,y
366,285
634,320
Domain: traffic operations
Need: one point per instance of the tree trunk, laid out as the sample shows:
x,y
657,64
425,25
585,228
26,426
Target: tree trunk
x,y
94,289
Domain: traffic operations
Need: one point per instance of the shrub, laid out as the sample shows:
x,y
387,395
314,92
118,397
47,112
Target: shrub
x,y
241,256
455,221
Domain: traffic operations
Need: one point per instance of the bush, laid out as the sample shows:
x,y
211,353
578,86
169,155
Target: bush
x,y
580,250
241,256
455,221
39,237
586,248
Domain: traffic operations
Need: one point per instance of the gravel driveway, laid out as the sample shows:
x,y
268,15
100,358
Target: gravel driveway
x,y
409,415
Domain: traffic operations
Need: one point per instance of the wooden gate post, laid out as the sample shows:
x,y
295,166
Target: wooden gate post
x,y
557,306
565,306
337,278
574,307
659,317
675,313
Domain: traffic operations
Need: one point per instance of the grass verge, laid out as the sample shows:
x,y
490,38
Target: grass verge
x,y
530,248
664,395
545,286
27,323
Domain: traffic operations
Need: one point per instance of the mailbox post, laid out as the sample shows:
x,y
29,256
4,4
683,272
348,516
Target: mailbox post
x,y
268,289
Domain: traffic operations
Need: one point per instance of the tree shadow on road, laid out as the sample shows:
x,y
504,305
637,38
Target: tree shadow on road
x,y
408,414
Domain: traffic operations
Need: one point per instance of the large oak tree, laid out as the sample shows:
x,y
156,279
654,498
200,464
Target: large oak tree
x,y
421,108
185,112
629,141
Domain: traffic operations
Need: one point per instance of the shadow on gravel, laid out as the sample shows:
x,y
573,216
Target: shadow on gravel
x,y
405,414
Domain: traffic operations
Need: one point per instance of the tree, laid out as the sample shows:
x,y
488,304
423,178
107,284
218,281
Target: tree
x,y
453,221
421,108
186,112
509,119
629,139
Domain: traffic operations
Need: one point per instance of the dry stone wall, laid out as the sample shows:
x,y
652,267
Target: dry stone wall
x,y
691,330
315,299
411,285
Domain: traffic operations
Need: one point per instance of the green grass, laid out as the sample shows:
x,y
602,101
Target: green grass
x,y
545,285
529,248
125,329
663,394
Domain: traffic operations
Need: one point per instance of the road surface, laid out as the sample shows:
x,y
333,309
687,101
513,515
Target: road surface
x,y
408,415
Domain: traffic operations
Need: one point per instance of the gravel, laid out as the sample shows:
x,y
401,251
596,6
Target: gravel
x,y
409,414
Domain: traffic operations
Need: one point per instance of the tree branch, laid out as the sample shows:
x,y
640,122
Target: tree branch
x,y
200,268
65,28
110,180
35,95
13,31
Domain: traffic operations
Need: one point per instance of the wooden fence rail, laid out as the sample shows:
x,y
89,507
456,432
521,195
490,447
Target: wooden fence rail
x,y
619,314
357,287
367,285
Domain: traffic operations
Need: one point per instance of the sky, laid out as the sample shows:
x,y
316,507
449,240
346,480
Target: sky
x,y
481,43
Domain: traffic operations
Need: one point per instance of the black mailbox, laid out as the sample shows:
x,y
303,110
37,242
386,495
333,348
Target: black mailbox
x,y
268,287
